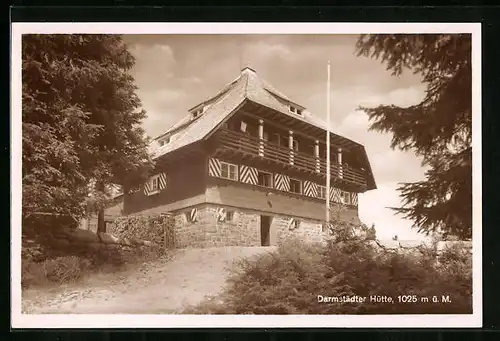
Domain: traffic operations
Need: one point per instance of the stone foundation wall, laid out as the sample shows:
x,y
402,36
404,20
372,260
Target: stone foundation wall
x,y
308,230
207,231
242,229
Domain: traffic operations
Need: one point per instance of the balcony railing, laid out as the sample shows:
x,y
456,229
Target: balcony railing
x,y
253,146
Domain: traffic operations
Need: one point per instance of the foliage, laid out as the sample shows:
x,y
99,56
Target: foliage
x,y
71,268
59,270
341,230
288,281
81,122
439,128
371,233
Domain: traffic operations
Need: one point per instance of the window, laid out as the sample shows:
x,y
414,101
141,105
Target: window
x,y
322,192
197,113
296,223
228,171
164,141
295,186
295,145
346,198
295,110
229,216
243,126
153,185
265,179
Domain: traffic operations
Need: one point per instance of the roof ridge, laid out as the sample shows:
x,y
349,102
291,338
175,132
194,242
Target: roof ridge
x,y
245,91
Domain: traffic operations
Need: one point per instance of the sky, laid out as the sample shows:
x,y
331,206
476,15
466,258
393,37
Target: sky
x,y
175,72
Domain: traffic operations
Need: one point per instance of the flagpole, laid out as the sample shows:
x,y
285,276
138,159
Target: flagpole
x,y
328,145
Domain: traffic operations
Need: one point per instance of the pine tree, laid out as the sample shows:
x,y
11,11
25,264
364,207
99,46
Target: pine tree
x,y
81,121
439,128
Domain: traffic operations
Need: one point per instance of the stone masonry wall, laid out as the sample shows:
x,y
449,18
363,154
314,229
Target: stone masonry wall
x,y
307,230
207,231
243,229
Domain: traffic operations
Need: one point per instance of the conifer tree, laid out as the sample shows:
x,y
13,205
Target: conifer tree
x,y
81,122
439,128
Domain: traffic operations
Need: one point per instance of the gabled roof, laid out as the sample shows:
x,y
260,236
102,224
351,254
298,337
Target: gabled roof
x,y
247,86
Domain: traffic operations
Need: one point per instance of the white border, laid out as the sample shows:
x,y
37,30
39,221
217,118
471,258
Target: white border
x,y
20,320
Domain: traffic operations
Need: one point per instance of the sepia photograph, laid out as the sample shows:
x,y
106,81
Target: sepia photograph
x,y
304,176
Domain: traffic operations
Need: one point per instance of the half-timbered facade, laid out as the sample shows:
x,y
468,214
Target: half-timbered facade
x,y
248,167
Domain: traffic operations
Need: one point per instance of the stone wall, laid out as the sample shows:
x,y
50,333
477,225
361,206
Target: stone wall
x,y
208,231
155,228
243,229
307,230
129,236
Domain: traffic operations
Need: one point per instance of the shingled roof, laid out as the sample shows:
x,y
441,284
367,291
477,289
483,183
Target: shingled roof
x,y
248,86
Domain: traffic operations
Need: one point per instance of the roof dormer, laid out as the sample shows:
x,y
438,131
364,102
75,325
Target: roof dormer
x,y
197,111
164,140
295,109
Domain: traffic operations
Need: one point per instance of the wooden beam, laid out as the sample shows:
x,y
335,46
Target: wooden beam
x,y
273,123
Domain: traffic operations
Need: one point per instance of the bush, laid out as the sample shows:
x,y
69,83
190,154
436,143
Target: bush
x,y
71,268
289,280
60,270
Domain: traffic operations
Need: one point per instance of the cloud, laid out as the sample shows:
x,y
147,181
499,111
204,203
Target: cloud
x,y
402,97
155,66
263,50
373,208
396,166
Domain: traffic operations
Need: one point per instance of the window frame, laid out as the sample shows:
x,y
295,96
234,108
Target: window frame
x,y
319,192
348,201
294,110
229,216
271,184
301,186
196,113
165,140
229,165
244,126
151,181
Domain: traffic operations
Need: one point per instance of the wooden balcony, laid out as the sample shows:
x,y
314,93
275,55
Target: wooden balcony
x,y
247,145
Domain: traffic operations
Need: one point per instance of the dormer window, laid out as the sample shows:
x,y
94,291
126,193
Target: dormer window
x,y
198,112
295,110
164,141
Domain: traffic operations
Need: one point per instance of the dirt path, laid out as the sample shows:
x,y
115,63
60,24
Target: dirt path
x,y
164,286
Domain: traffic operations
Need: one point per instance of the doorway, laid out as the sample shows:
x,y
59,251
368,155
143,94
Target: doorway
x,y
265,230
